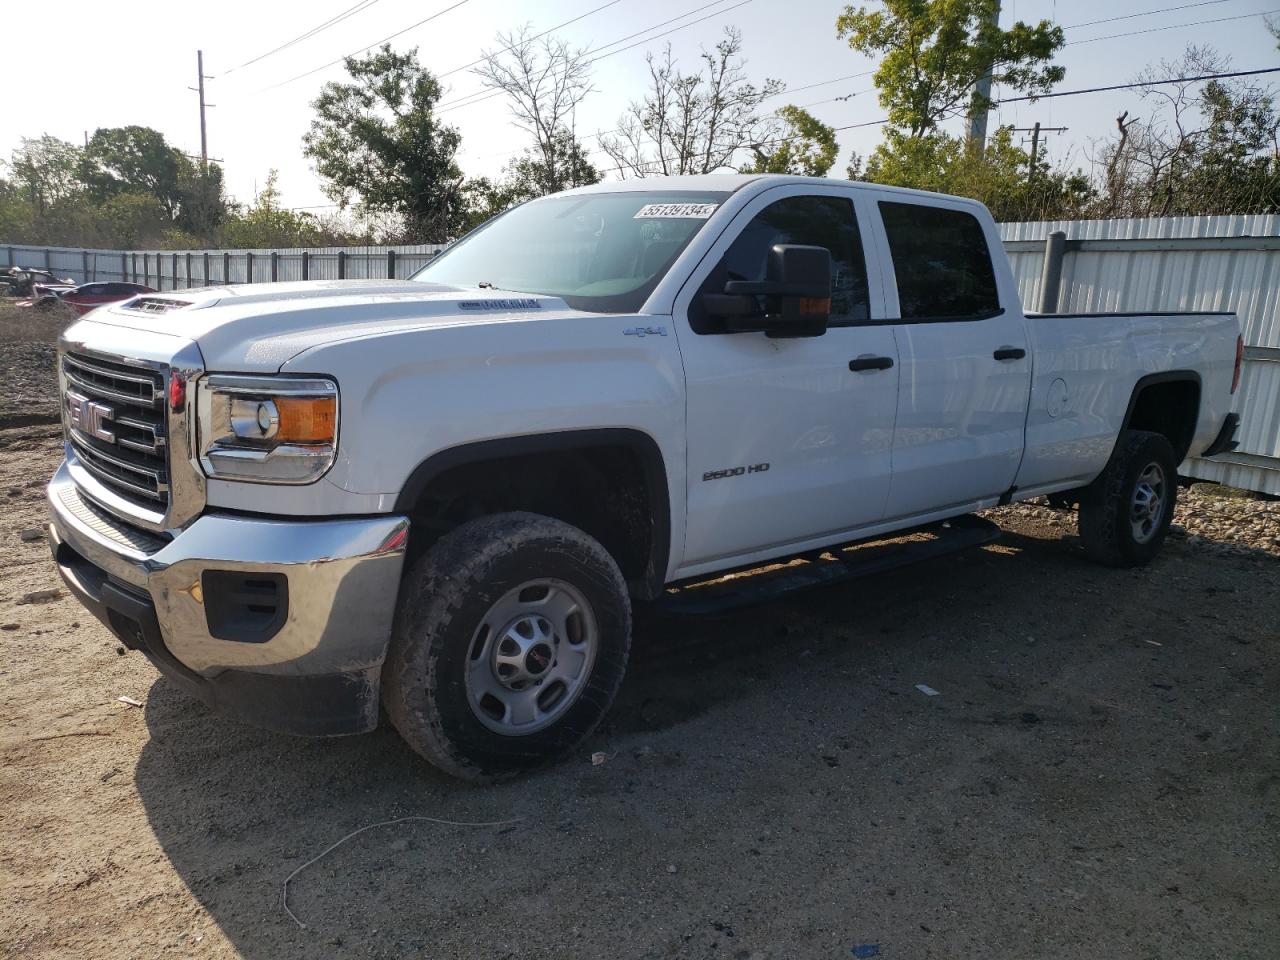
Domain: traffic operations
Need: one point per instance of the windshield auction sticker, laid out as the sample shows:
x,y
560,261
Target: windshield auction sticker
x,y
676,211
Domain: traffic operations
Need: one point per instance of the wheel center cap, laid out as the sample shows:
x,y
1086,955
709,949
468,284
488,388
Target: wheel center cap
x,y
538,660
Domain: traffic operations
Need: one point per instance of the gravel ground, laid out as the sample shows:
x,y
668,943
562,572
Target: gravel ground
x,y
28,375
1097,775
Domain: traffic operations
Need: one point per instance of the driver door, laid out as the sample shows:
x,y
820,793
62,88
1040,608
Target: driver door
x,y
789,440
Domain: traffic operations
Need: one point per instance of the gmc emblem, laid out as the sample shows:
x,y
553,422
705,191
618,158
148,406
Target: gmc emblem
x,y
89,417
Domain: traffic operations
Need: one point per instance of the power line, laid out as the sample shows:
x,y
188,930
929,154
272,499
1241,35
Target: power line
x,y
319,28
823,83
376,43
1145,13
1143,83
1174,26
485,95
465,66
682,26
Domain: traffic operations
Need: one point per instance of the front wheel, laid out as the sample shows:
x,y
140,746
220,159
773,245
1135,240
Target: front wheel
x,y
511,639
1125,513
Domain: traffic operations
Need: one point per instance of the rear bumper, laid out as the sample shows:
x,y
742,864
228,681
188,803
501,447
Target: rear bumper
x,y
1225,441
309,664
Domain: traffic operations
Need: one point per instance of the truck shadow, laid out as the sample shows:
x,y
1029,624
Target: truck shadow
x,y
237,810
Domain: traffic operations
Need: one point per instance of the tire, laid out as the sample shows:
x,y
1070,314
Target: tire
x,y
467,681
1120,524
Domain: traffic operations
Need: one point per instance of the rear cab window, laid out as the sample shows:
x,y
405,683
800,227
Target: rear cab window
x,y
941,263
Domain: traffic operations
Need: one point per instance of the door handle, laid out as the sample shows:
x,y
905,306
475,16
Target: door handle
x,y
1009,353
869,361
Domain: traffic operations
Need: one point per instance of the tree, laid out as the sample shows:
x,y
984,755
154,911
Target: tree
x,y
693,123
934,52
267,224
204,205
1000,176
544,80
526,178
1203,147
46,171
134,159
378,139
805,146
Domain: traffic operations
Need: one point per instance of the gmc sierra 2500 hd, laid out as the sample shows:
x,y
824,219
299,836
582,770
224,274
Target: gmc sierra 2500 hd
x,y
303,501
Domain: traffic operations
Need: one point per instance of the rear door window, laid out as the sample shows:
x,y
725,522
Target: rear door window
x,y
941,262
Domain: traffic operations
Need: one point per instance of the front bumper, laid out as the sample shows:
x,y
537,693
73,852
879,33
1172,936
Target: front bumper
x,y
313,669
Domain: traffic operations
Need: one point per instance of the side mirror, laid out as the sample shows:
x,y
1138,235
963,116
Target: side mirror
x,y
794,299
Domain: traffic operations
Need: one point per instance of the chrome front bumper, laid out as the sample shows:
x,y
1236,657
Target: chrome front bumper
x,y
342,581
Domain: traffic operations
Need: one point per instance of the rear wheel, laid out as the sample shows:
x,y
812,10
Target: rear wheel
x,y
511,640
1125,513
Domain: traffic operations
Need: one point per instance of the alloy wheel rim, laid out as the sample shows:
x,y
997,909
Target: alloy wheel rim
x,y
1147,506
531,657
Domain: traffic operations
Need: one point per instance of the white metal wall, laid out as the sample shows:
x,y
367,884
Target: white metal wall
x,y
1181,263
180,269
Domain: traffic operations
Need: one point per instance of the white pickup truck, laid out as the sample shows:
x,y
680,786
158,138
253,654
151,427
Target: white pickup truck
x,y
303,501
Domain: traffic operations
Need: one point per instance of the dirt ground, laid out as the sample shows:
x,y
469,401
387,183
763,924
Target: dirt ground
x,y
1098,775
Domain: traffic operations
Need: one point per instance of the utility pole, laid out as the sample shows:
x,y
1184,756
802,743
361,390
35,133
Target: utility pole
x,y
978,118
204,138
206,202
1035,132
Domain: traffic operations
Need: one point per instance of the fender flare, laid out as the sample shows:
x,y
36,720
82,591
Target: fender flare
x,y
641,443
1168,376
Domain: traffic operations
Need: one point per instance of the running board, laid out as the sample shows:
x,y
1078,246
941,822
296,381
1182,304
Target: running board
x,y
834,565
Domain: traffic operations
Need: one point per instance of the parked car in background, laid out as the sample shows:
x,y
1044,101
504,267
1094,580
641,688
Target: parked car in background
x,y
89,295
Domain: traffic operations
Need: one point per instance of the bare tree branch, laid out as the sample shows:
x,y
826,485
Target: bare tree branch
x,y
544,80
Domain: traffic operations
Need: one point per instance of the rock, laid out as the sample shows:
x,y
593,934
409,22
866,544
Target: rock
x,y
671,868
30,534
9,626
40,596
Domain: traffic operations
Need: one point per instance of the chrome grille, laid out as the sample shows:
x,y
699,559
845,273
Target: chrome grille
x,y
125,444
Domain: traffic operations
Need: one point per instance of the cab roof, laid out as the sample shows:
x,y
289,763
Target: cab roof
x,y
731,182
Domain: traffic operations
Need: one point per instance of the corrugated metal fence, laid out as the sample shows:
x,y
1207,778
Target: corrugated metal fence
x,y
1178,263
180,269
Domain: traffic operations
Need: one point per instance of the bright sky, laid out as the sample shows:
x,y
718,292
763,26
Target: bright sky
x,y
131,62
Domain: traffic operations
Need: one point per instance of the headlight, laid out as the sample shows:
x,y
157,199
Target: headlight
x,y
268,429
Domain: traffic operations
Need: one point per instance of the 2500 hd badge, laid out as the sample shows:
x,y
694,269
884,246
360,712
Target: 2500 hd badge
x,y
734,472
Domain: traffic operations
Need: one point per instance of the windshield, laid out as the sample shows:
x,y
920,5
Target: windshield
x,y
603,252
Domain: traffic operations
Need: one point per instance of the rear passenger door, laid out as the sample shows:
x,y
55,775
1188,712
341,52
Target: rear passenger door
x,y
962,346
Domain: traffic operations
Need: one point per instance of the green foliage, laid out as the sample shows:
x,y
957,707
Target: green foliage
x,y
527,177
377,140
804,146
267,224
933,53
127,188
46,171
133,160
1001,177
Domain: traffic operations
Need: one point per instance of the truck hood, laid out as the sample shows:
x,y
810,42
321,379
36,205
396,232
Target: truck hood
x,y
259,327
